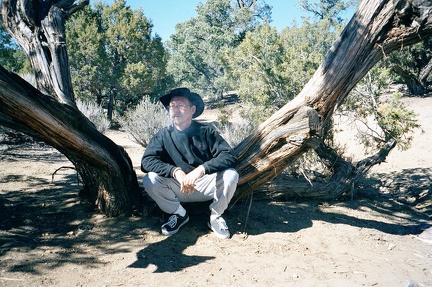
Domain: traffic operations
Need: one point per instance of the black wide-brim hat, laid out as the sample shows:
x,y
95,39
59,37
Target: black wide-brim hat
x,y
194,98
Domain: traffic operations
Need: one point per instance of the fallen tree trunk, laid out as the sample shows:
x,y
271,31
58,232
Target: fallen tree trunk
x,y
310,186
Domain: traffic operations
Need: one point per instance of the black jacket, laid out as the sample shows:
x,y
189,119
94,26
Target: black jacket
x,y
199,144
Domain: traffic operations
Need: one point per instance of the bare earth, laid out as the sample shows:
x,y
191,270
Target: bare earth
x,y
382,237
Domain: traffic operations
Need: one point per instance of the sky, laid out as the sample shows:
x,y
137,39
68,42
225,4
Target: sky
x,y
165,14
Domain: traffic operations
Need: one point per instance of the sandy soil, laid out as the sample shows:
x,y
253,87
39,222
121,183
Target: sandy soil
x,y
48,237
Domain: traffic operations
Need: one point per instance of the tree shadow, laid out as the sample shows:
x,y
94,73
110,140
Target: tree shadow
x,y
32,152
271,216
50,216
43,217
401,204
54,227
176,244
35,220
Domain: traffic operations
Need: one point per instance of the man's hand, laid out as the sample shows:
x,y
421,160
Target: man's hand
x,y
187,181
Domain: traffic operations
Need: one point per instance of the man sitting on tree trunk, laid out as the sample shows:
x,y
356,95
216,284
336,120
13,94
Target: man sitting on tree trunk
x,y
189,162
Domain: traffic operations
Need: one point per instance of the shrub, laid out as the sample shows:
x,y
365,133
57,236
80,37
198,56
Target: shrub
x,y
235,132
9,136
95,113
144,121
236,125
397,121
377,113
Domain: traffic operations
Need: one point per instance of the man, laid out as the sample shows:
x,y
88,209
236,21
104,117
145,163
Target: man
x,y
189,162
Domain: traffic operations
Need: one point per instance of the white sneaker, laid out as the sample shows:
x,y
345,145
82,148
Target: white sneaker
x,y
219,227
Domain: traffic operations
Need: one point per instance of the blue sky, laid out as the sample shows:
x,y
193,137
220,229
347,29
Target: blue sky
x,y
165,14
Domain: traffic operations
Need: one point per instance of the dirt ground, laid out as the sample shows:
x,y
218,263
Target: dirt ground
x,y
383,237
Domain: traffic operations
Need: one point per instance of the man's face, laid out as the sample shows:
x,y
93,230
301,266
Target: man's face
x,y
181,110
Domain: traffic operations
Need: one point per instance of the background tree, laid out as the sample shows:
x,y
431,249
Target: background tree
x,y
328,9
114,58
87,55
256,72
413,65
197,44
11,56
268,68
294,128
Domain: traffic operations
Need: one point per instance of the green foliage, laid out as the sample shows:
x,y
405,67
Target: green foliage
x,y
411,65
225,48
397,122
197,45
87,57
256,69
229,46
267,69
255,114
114,59
379,114
143,121
328,9
363,98
12,57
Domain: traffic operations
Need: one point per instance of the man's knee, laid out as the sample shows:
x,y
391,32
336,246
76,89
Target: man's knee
x,y
149,181
231,175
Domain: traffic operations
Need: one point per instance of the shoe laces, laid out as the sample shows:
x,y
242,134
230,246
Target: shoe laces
x,y
172,221
221,223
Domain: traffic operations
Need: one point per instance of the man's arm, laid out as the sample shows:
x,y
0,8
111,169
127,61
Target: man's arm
x,y
223,156
155,158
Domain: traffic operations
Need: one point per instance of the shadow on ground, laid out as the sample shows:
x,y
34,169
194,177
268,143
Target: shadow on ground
x,y
51,217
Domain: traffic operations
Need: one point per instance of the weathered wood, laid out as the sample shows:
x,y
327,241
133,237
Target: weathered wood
x,y
39,29
50,114
346,175
268,159
425,72
377,28
69,131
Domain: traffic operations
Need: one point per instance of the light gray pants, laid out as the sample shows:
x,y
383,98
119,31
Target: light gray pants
x,y
219,187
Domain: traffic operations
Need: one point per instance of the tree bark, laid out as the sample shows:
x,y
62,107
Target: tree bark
x,y
377,28
345,176
39,28
413,82
70,132
51,115
425,72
